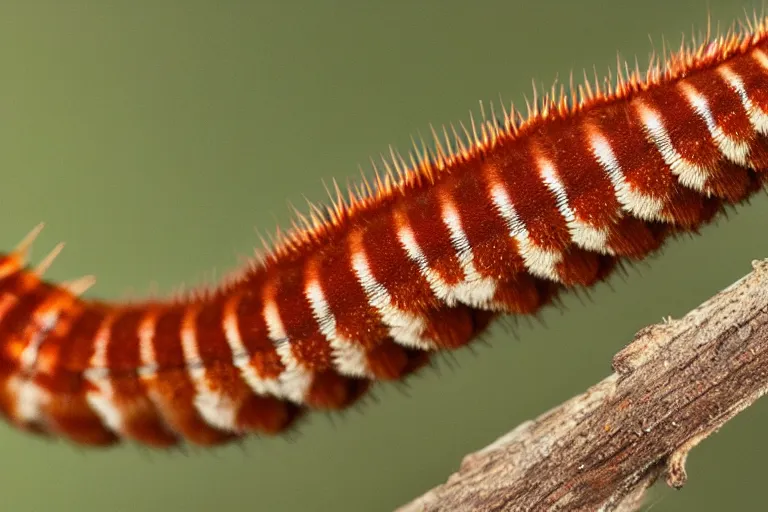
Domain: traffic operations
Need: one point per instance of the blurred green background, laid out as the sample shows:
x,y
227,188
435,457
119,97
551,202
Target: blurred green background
x,y
157,137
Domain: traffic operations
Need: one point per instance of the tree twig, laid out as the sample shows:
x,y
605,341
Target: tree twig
x,y
675,384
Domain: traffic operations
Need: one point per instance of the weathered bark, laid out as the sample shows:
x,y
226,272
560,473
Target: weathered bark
x,y
674,385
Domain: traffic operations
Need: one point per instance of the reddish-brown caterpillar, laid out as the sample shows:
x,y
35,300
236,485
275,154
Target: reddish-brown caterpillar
x,y
496,219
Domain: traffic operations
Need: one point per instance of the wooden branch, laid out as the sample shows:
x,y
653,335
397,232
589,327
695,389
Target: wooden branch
x,y
673,386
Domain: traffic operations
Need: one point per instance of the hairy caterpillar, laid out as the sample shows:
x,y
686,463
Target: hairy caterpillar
x,y
495,219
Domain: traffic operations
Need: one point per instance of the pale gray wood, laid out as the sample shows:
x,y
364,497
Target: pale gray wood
x,y
675,384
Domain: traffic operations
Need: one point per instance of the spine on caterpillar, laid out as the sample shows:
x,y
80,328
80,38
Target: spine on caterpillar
x,y
509,214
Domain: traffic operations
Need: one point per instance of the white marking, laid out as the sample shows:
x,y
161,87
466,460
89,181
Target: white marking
x,y
97,373
539,262
242,359
295,380
475,290
31,398
582,234
349,358
761,58
148,368
405,328
214,407
757,117
439,287
734,150
42,324
689,174
636,204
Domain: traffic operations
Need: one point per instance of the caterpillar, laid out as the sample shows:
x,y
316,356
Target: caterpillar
x,y
496,218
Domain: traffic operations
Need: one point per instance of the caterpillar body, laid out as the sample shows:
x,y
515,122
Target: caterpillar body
x,y
495,219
